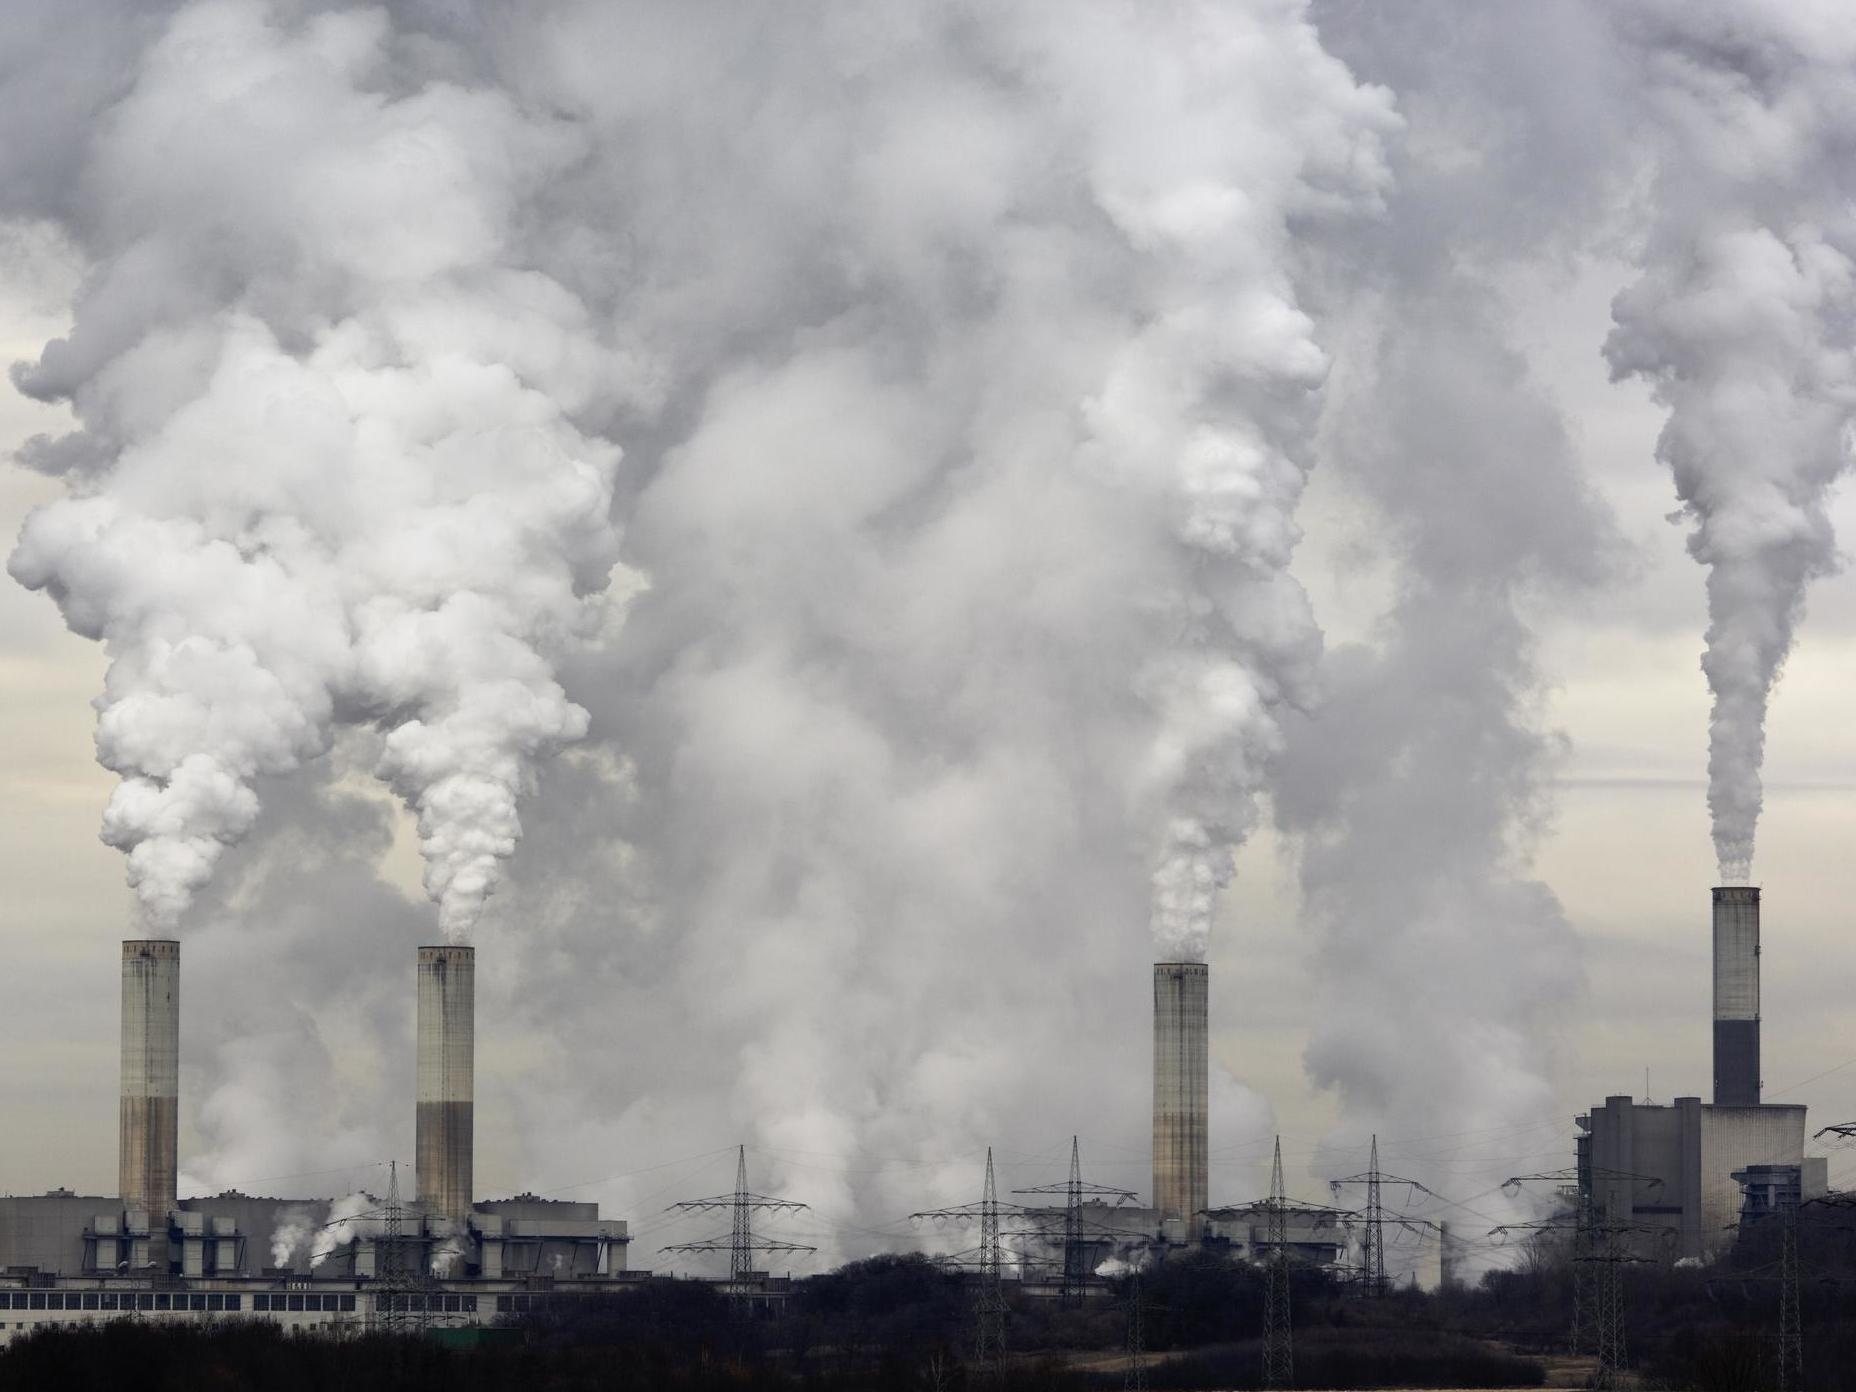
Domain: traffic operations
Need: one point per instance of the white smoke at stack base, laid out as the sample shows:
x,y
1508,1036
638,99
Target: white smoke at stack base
x,y
355,1215
330,466
1743,322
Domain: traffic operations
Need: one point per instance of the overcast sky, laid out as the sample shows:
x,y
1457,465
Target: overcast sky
x,y
859,794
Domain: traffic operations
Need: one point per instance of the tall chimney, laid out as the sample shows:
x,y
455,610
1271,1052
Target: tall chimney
x,y
148,1119
447,1062
1180,1162
1736,996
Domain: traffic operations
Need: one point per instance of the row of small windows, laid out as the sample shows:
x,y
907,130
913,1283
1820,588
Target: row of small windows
x,y
445,1304
118,1300
302,1302
229,1301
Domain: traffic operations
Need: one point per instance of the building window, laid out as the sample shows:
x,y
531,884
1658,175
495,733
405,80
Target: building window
x,y
470,1303
162,1302
54,1301
38,1300
260,1302
235,1302
502,1304
144,1301
347,1302
90,1300
109,1300
296,1302
196,1302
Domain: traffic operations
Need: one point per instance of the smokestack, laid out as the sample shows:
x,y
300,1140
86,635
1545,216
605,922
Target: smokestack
x,y
1736,996
447,1062
1179,1095
148,1120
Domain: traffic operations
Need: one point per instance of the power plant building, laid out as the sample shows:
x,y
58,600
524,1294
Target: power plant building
x,y
313,1263
1682,1168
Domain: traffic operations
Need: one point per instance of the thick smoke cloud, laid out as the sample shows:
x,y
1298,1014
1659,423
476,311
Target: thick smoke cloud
x,y
1414,795
328,470
1742,323
965,394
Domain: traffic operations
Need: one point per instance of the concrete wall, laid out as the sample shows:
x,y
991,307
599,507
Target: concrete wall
x,y
47,1230
1180,1137
149,1119
1733,1138
446,1079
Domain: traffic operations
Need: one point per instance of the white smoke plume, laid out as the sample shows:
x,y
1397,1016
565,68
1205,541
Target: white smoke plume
x,y
293,1232
1743,322
444,1254
959,360
1415,794
356,1215
328,469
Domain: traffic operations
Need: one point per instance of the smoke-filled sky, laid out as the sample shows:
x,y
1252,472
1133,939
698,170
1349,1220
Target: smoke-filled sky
x,y
825,540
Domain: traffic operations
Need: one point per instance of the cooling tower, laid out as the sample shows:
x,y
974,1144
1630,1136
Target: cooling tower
x,y
1736,996
447,1054
148,1120
1179,1097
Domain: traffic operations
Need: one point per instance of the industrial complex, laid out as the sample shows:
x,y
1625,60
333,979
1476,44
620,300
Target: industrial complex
x,y
308,1263
1679,1178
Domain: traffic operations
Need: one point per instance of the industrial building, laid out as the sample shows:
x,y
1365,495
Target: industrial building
x,y
1680,1175
315,1263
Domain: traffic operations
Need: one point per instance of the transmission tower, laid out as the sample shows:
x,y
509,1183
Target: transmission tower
x,y
1791,1326
1602,1247
1135,1379
1077,1232
987,1261
741,1244
1372,1277
989,1300
399,1286
1278,1335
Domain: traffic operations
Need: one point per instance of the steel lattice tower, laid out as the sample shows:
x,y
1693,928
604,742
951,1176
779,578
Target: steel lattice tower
x,y
1278,1336
1077,1232
987,1261
1791,1329
1601,1248
399,1293
1073,1262
1584,1315
1135,1379
989,1299
741,1244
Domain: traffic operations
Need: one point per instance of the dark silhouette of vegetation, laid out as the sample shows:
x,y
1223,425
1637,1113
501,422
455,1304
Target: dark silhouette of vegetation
x,y
903,1322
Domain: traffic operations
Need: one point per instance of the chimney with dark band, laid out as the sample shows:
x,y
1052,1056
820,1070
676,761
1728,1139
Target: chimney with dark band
x,y
1736,996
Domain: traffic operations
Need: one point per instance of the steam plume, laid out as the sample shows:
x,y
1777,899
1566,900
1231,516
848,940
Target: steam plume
x,y
1741,322
328,468
1415,793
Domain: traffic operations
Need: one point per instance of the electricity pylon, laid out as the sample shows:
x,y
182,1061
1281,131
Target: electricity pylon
x,y
1791,1325
1135,1378
400,1288
1373,1281
1076,1232
741,1243
1602,1247
987,1261
1278,1330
